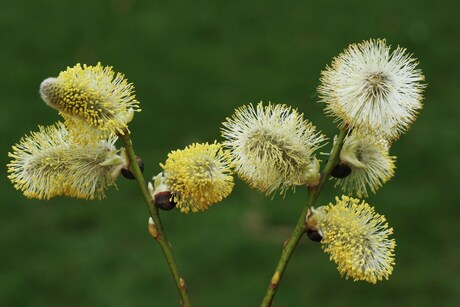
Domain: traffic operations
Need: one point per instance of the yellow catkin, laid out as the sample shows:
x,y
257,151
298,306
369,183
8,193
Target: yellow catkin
x,y
92,99
198,176
356,238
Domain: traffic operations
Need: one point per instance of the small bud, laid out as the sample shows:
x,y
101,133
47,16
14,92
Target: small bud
x,y
161,193
341,171
182,283
275,280
164,200
128,174
152,228
285,242
314,235
312,224
312,174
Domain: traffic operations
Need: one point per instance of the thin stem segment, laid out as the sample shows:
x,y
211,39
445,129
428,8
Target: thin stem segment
x,y
299,229
156,229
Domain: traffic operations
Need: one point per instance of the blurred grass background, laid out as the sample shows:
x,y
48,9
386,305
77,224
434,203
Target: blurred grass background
x,y
192,63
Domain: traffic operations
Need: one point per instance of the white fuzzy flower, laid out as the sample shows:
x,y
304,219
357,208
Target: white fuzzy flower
x,y
370,88
48,163
272,146
368,160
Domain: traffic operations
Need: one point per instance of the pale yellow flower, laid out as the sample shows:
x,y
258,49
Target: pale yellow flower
x,y
47,163
198,176
272,146
92,99
356,238
370,88
369,161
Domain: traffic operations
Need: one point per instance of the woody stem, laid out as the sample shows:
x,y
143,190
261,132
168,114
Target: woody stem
x,y
299,229
158,231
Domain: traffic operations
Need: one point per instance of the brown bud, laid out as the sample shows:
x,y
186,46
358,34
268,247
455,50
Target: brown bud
x,y
164,200
314,235
128,174
341,171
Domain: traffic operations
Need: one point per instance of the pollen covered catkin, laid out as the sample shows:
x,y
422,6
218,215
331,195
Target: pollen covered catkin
x,y
372,89
48,163
272,146
93,100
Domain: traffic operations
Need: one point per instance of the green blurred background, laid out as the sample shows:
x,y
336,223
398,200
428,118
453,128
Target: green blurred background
x,y
192,63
